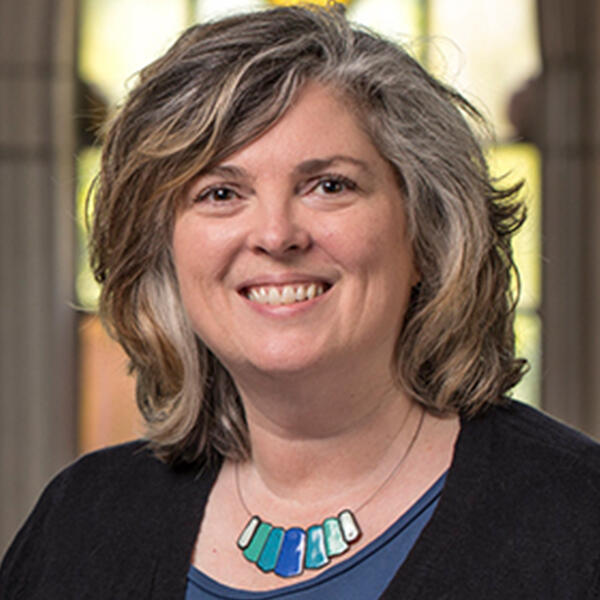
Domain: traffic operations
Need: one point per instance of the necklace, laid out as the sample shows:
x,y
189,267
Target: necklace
x,y
286,552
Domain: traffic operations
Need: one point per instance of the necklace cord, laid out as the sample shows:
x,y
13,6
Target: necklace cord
x,y
239,490
398,464
287,552
393,472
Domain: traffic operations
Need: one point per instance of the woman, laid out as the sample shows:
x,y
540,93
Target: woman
x,y
302,252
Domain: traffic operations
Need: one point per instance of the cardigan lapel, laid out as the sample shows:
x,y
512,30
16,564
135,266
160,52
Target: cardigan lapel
x,y
430,560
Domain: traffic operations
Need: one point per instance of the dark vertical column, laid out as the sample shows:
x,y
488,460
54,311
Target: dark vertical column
x,y
37,183
569,132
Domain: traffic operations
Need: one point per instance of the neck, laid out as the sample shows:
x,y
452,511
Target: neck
x,y
322,439
318,402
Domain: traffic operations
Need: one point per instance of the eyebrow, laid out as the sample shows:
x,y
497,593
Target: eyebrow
x,y
307,167
225,171
314,165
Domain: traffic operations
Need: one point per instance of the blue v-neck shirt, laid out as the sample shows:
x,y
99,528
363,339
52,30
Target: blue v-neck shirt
x,y
364,575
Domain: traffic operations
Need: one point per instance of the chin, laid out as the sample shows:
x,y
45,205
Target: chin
x,y
284,366
279,364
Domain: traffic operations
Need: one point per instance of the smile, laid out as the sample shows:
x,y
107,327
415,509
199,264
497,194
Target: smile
x,y
276,295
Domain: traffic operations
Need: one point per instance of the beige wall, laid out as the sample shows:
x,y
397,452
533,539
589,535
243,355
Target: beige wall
x,y
568,131
37,325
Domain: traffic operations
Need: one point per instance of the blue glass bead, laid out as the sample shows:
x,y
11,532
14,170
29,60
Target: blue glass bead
x,y
252,552
270,552
316,555
291,556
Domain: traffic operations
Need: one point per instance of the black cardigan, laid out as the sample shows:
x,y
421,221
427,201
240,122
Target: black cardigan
x,y
519,517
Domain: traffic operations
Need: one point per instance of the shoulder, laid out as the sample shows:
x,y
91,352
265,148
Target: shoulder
x,y
91,481
127,476
108,518
526,439
523,489
531,423
116,465
114,461
530,457
536,478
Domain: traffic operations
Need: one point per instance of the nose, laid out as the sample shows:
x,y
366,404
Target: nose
x,y
278,230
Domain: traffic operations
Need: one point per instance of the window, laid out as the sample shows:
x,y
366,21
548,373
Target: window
x,y
487,49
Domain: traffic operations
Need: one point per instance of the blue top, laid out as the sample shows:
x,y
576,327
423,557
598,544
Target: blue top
x,y
364,575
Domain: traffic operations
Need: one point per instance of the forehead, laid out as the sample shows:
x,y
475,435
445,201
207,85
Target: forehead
x,y
320,124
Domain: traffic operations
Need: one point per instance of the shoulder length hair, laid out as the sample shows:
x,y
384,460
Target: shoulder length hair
x,y
220,86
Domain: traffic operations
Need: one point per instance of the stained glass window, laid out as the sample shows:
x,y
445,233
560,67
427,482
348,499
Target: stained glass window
x,y
487,49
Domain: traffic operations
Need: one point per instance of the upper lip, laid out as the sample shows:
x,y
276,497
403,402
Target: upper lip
x,y
283,279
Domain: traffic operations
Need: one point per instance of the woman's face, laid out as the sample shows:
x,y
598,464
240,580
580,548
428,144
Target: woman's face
x,y
291,254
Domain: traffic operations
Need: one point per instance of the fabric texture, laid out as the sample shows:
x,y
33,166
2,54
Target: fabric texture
x,y
519,518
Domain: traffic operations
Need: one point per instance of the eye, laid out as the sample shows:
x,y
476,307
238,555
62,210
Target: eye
x,y
335,184
216,195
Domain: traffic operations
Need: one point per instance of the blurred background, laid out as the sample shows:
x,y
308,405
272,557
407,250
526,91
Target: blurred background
x,y
533,68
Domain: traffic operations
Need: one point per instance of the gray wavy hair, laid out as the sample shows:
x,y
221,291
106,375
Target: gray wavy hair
x,y
216,89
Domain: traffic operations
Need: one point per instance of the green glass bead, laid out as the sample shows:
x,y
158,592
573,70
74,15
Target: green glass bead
x,y
334,540
316,554
270,552
252,552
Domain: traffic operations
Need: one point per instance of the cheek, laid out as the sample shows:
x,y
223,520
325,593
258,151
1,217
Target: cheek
x,y
353,241
199,252
373,245
183,254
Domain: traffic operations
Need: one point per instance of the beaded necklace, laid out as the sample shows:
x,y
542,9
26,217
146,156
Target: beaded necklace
x,y
287,552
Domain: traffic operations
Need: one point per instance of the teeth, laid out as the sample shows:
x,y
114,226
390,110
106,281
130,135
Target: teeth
x,y
254,295
289,294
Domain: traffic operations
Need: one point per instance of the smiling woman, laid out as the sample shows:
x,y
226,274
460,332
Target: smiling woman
x,y
303,253
300,249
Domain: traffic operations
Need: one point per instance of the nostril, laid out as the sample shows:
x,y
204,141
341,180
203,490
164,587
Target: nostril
x,y
282,246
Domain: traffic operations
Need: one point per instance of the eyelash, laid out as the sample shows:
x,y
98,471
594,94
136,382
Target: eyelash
x,y
340,180
346,183
204,195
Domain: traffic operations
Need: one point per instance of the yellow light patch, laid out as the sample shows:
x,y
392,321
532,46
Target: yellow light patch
x,y
317,2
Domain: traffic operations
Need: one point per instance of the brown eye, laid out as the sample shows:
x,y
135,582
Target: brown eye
x,y
216,194
331,185
220,194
